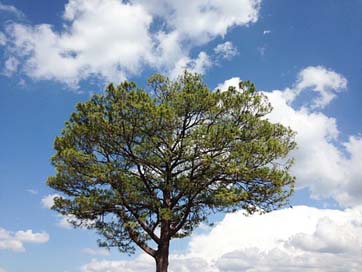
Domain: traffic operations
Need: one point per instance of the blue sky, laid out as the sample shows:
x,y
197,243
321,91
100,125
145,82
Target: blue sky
x,y
305,55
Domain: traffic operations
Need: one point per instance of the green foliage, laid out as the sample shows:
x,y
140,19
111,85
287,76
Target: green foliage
x,y
132,161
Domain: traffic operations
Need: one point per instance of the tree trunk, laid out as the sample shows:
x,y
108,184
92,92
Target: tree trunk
x,y
162,256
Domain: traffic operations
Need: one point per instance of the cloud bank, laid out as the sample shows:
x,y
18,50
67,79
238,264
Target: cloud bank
x,y
299,239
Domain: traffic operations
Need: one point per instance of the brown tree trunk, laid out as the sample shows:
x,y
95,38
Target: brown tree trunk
x,y
162,256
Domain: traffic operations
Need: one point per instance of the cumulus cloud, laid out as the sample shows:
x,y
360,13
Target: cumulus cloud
x,y
226,50
197,65
105,38
48,201
232,82
325,82
113,39
326,165
298,239
14,241
203,20
322,241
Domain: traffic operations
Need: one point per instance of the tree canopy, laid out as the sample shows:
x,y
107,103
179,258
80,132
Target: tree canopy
x,y
145,166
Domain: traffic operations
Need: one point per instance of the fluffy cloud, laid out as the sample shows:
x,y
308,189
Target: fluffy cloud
x,y
15,240
202,20
298,239
104,38
226,50
114,39
325,82
232,82
48,201
326,165
198,65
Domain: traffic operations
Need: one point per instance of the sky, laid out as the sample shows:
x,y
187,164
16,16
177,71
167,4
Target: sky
x,y
304,55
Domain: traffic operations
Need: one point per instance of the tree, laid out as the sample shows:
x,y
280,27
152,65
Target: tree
x,y
145,167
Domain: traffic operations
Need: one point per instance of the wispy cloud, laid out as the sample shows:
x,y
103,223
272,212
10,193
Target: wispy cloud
x,y
32,191
97,251
12,10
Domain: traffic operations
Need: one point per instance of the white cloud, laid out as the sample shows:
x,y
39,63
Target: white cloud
x,y
232,82
325,82
113,39
98,251
203,20
266,32
14,241
11,9
197,65
261,50
226,50
32,191
299,239
48,201
141,263
10,66
3,39
30,237
324,240
104,38
2,270
327,166
144,263
64,221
